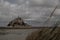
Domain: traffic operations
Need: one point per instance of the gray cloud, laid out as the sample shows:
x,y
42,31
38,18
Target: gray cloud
x,y
27,9
45,3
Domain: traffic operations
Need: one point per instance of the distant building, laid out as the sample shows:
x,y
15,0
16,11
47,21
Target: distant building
x,y
18,22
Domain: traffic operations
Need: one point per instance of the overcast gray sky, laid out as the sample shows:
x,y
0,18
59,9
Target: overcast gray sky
x,y
29,10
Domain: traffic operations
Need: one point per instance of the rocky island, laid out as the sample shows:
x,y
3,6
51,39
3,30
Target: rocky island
x,y
18,23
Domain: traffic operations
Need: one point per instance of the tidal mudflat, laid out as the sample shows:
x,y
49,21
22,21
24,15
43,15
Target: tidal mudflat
x,y
15,34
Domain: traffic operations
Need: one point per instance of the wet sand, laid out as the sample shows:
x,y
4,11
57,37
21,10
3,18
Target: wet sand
x,y
15,34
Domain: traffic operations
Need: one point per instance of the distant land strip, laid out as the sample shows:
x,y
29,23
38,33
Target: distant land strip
x,y
26,28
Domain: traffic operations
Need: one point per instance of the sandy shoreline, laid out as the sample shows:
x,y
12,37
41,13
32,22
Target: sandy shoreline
x,y
15,34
